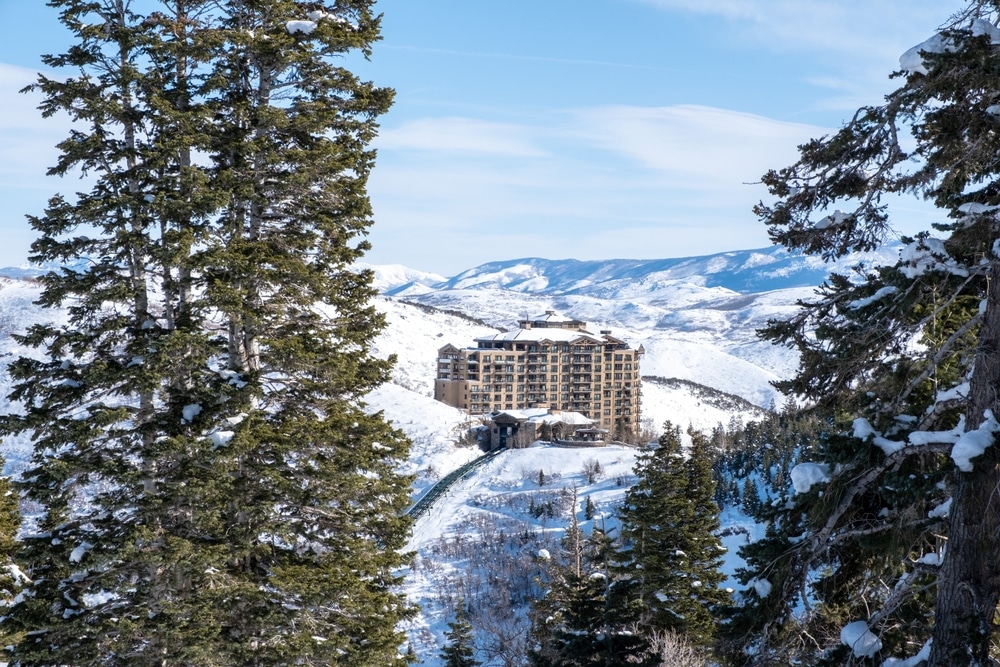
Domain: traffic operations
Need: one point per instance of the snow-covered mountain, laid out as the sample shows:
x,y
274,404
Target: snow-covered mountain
x,y
743,271
703,366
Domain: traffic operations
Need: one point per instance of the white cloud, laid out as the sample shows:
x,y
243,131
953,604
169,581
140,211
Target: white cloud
x,y
613,181
607,181
459,135
697,146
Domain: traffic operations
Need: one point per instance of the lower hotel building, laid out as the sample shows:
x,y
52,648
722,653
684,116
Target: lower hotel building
x,y
550,362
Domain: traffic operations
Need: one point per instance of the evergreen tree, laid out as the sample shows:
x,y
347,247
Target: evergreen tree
x,y
12,579
460,651
668,521
705,550
212,490
751,497
588,618
913,422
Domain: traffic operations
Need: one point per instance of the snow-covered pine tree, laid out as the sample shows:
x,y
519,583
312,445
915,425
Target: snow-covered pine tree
x,y
212,489
705,550
907,358
460,651
589,617
668,523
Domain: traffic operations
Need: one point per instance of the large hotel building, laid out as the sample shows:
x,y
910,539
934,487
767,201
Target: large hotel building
x,y
549,362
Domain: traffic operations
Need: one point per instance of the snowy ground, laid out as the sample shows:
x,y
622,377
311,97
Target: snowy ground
x,y
503,491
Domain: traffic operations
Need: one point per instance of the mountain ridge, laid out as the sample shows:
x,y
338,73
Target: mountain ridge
x,y
740,271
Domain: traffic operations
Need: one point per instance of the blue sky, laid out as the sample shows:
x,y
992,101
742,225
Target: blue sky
x,y
584,129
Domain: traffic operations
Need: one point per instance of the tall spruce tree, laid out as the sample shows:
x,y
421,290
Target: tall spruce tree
x,y
916,423
213,491
668,523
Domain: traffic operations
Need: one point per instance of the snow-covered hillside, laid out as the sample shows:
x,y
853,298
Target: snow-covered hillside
x,y
695,319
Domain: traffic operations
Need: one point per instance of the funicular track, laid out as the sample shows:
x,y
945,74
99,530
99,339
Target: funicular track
x,y
420,507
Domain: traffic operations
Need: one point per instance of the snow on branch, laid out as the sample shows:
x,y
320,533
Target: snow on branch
x,y
928,254
912,60
807,475
863,431
973,444
861,483
877,296
860,639
301,27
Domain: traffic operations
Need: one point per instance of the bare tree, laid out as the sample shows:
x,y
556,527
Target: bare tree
x,y
592,470
675,651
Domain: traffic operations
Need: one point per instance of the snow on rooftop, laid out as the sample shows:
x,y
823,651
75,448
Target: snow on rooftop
x,y
537,335
524,413
551,316
544,416
570,418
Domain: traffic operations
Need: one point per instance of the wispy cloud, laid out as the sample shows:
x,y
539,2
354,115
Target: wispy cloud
x,y
856,29
492,55
459,135
607,181
696,146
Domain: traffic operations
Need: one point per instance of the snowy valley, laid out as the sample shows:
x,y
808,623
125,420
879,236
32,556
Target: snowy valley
x,y
703,367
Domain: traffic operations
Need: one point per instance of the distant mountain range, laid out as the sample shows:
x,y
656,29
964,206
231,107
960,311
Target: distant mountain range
x,y
742,271
696,317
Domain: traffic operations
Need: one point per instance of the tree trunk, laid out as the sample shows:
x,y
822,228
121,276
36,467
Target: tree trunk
x,y
968,589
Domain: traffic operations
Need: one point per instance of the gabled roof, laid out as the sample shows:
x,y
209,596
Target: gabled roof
x,y
550,316
543,416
